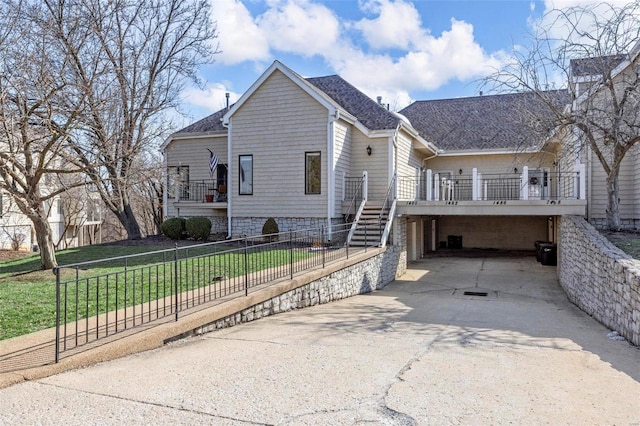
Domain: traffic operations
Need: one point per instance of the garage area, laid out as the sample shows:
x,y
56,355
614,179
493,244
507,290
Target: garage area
x,y
427,234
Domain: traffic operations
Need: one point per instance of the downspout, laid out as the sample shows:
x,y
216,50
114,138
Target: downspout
x,y
331,179
229,127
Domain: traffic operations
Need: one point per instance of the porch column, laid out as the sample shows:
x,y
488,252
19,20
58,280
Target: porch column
x,y
436,187
474,184
365,185
524,185
582,176
429,193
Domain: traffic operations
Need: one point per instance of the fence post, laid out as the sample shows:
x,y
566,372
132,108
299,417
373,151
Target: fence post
x,y
291,253
56,270
246,266
366,240
324,245
175,277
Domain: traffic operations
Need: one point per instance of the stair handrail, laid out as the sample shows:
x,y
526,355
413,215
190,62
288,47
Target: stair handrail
x,y
388,207
357,195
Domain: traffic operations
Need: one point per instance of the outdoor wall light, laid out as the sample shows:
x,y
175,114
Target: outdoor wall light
x,y
460,171
369,150
515,170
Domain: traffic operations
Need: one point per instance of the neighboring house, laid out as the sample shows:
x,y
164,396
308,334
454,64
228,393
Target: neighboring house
x,y
445,173
74,221
586,80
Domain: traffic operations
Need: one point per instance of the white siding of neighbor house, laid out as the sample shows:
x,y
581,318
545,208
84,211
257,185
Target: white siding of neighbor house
x,y
12,223
277,125
194,153
628,188
376,164
342,157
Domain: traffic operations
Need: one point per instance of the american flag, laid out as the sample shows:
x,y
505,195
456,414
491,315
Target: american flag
x,y
213,162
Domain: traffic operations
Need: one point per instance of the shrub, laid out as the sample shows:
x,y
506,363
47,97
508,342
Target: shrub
x,y
270,227
174,228
198,228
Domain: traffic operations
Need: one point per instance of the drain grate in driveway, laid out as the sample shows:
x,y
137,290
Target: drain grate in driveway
x,y
476,293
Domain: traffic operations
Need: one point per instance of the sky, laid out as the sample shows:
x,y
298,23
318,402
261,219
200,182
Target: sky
x,y
399,49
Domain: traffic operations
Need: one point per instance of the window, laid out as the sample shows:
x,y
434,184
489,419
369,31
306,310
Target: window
x,y
246,175
178,175
313,172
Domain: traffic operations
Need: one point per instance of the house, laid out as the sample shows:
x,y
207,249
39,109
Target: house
x,y
591,94
317,151
75,221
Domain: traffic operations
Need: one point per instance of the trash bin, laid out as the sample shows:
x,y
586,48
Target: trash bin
x,y
549,254
539,250
454,241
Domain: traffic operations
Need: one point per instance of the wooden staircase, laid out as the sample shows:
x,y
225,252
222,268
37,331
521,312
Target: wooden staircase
x,y
370,227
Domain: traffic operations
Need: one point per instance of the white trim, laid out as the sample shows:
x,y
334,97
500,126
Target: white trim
x,y
488,152
186,136
331,190
229,126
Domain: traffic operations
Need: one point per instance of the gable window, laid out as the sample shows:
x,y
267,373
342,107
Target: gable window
x,y
178,177
246,175
312,173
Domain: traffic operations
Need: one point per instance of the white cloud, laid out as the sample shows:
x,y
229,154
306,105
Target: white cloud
x,y
239,36
212,97
299,27
398,24
433,62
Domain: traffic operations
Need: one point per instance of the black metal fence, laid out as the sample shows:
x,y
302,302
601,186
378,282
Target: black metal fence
x,y
99,299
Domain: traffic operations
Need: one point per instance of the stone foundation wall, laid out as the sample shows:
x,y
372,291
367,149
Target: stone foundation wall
x,y
253,225
363,277
628,224
599,278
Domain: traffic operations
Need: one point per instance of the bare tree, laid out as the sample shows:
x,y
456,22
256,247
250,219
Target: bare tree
x,y
589,51
39,111
131,59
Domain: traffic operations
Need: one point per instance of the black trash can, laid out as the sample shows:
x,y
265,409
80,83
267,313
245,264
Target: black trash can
x,y
539,250
549,254
454,241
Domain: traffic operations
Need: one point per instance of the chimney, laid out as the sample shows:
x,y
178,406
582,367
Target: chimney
x,y
379,100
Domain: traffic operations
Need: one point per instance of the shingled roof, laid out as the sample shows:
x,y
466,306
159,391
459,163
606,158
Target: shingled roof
x,y
210,123
484,122
371,114
596,66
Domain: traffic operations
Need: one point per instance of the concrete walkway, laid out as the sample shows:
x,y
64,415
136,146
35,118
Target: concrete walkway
x,y
418,352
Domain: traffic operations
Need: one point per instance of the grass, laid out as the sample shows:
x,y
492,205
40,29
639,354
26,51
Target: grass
x,y
627,241
28,296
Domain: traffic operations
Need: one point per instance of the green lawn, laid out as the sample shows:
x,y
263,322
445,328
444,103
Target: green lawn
x,y
27,297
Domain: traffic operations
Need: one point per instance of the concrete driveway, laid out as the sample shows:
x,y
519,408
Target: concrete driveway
x,y
418,352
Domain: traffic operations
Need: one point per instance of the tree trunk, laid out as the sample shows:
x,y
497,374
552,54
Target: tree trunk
x,y
613,202
129,222
45,242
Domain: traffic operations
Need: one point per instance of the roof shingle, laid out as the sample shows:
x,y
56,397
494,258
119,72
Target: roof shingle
x,y
504,121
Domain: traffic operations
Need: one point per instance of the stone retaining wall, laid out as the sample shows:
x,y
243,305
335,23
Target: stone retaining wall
x,y
363,277
599,278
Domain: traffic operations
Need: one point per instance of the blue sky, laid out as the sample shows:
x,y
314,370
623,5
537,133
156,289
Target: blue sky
x,y
399,49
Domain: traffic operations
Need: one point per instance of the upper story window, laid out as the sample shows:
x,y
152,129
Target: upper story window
x,y
246,175
312,173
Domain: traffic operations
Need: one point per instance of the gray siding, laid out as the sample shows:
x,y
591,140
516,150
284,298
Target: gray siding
x,y
375,164
277,125
342,158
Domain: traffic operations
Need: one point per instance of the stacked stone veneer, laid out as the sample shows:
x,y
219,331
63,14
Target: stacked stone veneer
x,y
628,224
253,225
599,278
358,278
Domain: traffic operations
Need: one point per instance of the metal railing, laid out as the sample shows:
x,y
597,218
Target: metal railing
x,y
206,190
492,187
99,299
354,190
